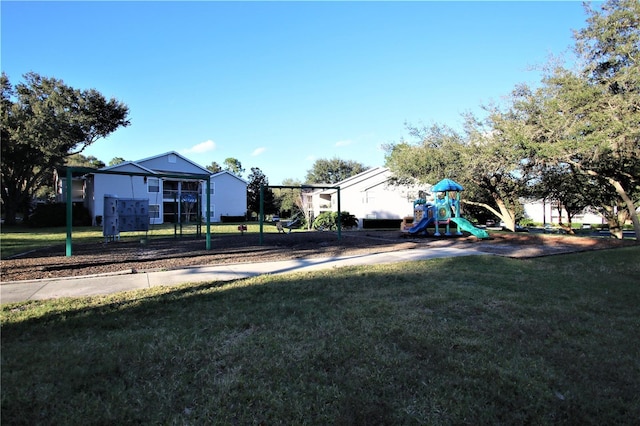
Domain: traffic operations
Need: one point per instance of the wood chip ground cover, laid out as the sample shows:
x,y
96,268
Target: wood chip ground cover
x,y
168,253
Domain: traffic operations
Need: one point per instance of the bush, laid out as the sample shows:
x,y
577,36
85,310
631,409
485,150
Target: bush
x,y
329,220
526,222
47,215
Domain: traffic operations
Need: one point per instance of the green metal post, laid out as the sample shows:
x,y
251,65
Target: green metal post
x,y
261,214
208,214
69,210
339,217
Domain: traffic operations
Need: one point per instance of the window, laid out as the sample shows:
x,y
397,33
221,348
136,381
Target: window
x,y
172,158
368,197
213,188
212,213
153,185
154,211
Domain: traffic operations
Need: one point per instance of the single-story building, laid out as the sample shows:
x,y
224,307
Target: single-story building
x,y
368,195
547,212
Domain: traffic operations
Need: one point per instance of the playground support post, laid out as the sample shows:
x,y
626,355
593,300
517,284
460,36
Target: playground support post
x,y
69,199
69,212
261,214
339,217
208,243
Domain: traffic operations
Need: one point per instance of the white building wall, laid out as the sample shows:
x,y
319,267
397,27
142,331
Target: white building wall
x,y
171,162
369,195
546,212
228,198
382,201
229,195
120,186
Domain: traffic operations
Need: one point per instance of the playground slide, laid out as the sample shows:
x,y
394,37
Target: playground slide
x,y
420,226
465,225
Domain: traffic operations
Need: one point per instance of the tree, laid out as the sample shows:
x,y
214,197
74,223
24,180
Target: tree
x,y
43,122
588,118
571,191
116,160
214,167
333,170
257,179
79,160
234,166
481,159
287,198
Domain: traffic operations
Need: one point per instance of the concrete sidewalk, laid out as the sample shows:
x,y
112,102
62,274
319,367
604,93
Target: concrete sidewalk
x,y
18,291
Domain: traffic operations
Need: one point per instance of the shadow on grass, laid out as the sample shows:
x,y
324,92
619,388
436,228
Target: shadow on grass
x,y
477,339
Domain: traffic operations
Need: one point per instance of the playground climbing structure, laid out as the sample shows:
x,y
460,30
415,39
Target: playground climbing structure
x,y
443,211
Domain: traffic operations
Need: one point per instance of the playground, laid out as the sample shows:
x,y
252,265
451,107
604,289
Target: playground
x,y
442,212
169,253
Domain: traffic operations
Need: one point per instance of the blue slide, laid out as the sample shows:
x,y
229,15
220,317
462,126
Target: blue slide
x,y
420,226
465,225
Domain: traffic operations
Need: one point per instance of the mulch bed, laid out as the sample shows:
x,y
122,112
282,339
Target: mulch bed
x,y
169,253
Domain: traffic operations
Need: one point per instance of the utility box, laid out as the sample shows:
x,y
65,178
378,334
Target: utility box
x,y
124,215
110,225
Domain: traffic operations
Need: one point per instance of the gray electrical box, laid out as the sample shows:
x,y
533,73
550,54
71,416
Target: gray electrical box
x,y
124,215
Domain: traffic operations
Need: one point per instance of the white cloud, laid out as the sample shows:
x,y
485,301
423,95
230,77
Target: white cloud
x,y
258,151
345,142
205,146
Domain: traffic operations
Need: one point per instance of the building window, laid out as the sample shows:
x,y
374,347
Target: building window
x,y
154,211
369,197
172,158
153,185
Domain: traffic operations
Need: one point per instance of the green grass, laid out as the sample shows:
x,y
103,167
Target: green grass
x,y
475,340
18,239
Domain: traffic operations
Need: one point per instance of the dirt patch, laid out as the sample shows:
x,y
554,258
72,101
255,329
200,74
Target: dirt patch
x,y
164,254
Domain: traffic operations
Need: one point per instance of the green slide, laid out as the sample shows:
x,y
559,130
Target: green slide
x,y
465,225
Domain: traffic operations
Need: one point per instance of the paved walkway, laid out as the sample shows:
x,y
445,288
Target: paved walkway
x,y
18,291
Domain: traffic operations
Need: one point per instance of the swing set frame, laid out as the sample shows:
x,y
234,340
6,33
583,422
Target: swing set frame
x,y
88,170
301,188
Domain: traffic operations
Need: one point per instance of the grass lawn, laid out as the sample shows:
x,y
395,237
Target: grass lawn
x,y
472,340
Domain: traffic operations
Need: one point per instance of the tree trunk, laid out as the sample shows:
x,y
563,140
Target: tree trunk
x,y
569,227
614,228
630,207
507,216
10,213
566,228
14,203
504,214
628,203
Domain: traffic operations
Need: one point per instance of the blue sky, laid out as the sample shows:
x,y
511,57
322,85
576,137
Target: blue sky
x,y
279,85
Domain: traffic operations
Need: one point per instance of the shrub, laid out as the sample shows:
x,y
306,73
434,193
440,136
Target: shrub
x,y
329,220
55,214
526,222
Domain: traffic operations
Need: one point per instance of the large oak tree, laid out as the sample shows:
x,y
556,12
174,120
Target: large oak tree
x,y
585,121
481,159
588,118
44,121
